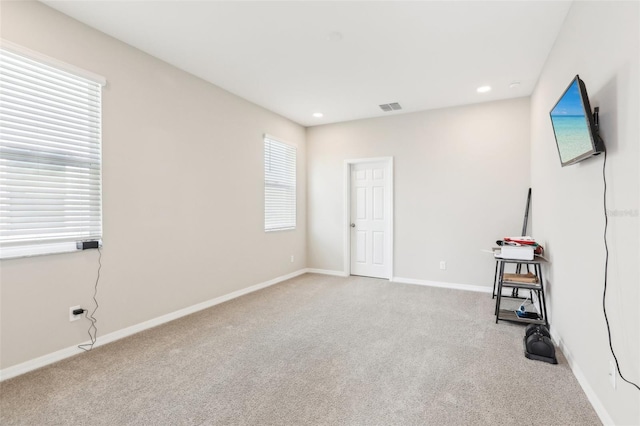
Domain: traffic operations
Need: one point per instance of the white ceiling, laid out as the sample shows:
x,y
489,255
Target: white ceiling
x,y
285,57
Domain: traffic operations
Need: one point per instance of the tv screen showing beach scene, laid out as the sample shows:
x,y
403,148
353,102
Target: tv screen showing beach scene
x,y
571,126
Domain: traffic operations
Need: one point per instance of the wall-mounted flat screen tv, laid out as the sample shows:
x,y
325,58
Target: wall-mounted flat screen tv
x,y
574,125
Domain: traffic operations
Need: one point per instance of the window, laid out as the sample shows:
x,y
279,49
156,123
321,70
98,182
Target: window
x,y
50,156
279,185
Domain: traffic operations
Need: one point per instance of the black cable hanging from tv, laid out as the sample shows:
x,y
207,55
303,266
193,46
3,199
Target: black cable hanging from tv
x,y
606,269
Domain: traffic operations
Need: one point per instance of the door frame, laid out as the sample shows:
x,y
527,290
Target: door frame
x,y
347,211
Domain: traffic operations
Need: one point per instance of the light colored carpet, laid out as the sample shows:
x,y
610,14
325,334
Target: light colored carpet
x,y
312,350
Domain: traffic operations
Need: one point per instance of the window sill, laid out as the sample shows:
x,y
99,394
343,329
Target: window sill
x,y
17,252
280,229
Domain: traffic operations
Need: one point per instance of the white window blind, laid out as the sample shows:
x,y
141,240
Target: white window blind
x,y
279,185
50,157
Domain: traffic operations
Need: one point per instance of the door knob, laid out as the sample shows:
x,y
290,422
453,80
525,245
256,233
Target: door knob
x,y
353,225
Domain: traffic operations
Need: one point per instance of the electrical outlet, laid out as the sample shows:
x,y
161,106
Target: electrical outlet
x,y
292,258
443,265
612,373
74,317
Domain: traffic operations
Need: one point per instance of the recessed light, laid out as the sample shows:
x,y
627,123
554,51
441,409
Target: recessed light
x,y
514,85
484,89
318,114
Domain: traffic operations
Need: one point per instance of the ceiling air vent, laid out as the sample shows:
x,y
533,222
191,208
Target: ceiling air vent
x,y
394,106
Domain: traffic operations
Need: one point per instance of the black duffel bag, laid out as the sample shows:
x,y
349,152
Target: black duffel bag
x,y
538,344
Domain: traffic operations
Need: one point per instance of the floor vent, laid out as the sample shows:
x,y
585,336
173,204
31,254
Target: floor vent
x,y
394,106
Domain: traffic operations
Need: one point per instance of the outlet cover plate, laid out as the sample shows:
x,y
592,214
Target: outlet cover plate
x,y
74,317
612,373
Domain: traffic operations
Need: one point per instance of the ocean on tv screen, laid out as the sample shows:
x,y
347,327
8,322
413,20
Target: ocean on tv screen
x,y
570,125
572,134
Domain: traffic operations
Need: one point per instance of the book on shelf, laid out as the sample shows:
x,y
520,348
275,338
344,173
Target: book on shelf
x,y
528,278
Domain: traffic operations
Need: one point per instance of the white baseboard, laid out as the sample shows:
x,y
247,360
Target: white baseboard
x,y
41,361
327,272
466,287
44,360
597,405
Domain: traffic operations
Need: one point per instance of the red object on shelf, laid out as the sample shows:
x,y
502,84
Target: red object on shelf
x,y
524,242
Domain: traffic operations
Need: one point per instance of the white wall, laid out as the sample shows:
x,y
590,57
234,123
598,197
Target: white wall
x,y
183,196
461,180
599,41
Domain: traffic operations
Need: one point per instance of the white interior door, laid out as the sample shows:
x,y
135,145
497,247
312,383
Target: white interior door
x,y
370,211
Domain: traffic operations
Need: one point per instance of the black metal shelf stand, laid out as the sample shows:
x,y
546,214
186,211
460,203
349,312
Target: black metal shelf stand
x,y
537,287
